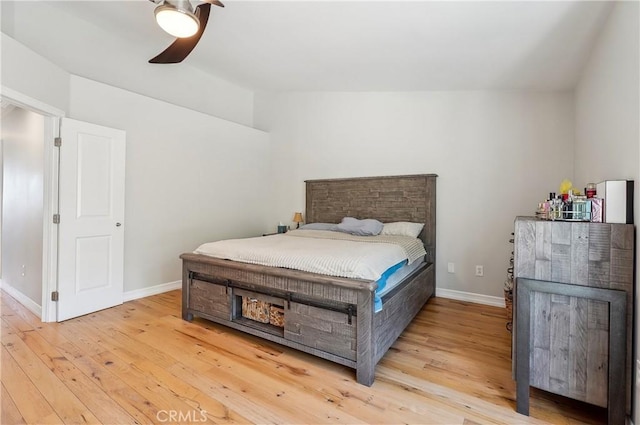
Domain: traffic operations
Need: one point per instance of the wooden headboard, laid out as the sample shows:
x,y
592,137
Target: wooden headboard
x,y
387,198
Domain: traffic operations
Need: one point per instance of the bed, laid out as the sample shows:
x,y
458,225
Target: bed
x,y
334,318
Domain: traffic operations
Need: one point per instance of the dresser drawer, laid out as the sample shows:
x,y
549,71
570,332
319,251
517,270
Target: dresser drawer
x,y
210,298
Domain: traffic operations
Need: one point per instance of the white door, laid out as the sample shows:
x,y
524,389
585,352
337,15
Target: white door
x,y
91,229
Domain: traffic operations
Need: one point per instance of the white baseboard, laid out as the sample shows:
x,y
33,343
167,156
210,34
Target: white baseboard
x,y
470,297
31,305
152,290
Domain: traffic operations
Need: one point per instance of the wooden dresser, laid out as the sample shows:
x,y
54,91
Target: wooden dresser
x,y
573,308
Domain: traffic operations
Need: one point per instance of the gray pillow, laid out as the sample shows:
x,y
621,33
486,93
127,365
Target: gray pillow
x,y
319,226
366,227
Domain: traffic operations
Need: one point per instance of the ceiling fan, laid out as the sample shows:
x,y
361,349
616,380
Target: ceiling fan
x,y
178,18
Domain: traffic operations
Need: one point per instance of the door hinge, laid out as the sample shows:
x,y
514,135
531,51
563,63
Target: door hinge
x,y
57,142
56,219
54,296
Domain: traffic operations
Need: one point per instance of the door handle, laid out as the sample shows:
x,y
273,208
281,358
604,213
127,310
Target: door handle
x,y
118,224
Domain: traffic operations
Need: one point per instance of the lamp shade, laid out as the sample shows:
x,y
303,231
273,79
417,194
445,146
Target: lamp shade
x,y
179,23
297,218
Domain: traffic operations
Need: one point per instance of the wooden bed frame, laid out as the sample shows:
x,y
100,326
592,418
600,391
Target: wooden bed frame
x,y
330,317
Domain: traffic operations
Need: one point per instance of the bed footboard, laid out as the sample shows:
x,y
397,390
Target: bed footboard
x,y
320,314
332,318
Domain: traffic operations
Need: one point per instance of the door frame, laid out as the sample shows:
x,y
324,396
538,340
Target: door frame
x,y
52,118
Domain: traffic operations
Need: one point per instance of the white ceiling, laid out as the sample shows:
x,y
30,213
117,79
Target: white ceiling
x,y
367,45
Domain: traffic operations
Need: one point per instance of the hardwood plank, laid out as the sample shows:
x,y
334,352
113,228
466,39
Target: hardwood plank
x,y
158,394
136,405
456,399
14,319
446,351
87,392
126,346
253,411
61,399
31,404
198,400
9,413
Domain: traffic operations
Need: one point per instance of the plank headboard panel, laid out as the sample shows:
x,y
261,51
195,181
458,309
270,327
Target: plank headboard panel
x,y
387,198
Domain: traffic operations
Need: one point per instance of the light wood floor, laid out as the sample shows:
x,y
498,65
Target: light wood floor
x,y
141,363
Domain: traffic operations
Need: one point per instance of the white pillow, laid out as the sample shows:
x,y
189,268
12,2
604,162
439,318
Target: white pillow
x,y
402,228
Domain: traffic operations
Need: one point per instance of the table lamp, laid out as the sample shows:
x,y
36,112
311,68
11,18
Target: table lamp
x,y
297,218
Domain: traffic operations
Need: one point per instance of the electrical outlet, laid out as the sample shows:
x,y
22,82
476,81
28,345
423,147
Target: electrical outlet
x,y
24,270
451,267
480,271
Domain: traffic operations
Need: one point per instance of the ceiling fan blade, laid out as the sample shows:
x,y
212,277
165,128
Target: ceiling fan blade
x,y
214,2
180,49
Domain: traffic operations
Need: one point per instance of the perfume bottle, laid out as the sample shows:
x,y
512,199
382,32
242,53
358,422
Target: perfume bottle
x,y
590,190
556,208
580,207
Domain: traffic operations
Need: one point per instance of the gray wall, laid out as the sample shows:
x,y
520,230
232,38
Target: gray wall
x,y
608,118
32,75
22,206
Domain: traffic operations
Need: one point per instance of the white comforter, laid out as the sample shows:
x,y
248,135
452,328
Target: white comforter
x,y
323,252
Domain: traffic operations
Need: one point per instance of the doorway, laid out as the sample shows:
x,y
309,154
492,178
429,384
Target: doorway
x,y
29,264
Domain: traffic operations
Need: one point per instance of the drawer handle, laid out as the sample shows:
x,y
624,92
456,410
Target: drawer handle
x,y
253,300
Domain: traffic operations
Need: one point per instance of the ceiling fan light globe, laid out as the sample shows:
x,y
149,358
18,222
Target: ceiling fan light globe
x,y
176,22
